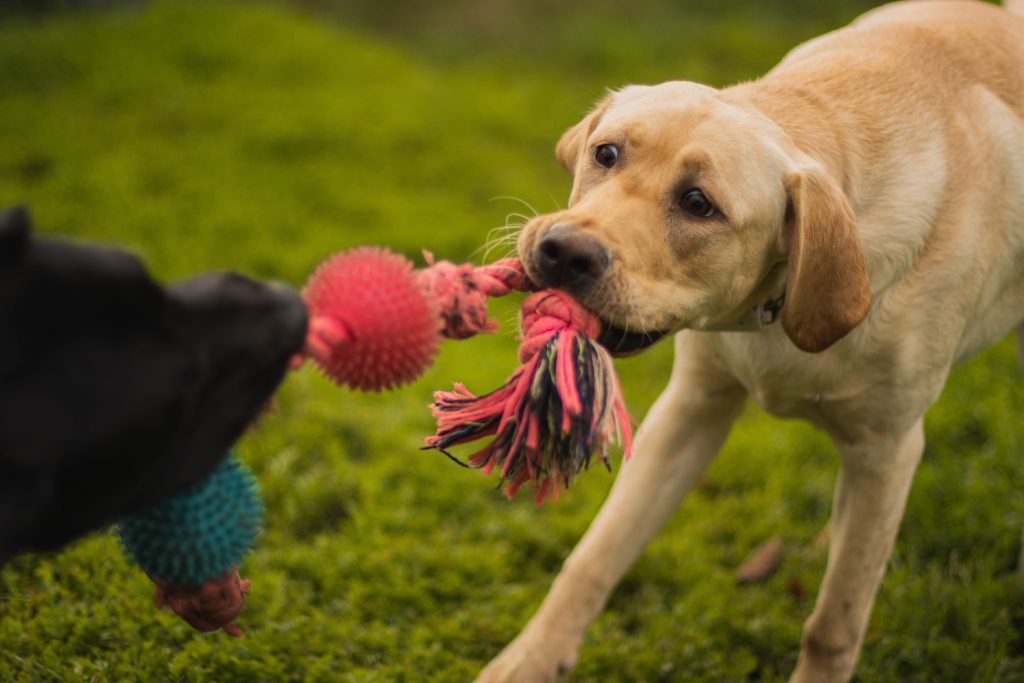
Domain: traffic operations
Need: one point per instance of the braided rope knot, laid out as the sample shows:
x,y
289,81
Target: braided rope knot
x,y
460,292
550,312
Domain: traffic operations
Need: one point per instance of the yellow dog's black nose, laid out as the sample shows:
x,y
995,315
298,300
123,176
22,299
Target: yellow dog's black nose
x,y
567,258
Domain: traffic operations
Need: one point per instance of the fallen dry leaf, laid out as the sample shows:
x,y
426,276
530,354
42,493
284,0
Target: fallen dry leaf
x,y
762,562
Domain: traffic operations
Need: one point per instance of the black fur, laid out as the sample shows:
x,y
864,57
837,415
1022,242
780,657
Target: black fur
x,y
115,391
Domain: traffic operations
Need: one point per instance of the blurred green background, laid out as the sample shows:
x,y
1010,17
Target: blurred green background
x,y
262,137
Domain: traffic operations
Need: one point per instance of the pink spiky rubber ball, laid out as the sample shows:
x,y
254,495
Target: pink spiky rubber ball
x,y
371,328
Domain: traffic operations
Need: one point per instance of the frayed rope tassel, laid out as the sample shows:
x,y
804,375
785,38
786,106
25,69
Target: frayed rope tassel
x,y
560,408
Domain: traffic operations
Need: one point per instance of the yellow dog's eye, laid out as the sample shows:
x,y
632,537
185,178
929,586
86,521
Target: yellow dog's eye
x,y
696,204
606,155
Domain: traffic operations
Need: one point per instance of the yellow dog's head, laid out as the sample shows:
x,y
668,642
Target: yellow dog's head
x,y
688,208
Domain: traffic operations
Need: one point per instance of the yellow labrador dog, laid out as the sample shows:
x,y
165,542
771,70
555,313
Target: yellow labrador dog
x,y
868,193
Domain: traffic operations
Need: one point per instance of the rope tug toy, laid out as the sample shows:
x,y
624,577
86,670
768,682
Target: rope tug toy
x,y
376,323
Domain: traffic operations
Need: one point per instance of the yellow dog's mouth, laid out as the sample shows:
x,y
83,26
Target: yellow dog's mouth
x,y
621,342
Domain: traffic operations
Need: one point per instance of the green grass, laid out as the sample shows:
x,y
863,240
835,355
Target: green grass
x,y
262,138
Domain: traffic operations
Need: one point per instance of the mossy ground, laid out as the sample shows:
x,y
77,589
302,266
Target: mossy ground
x,y
263,137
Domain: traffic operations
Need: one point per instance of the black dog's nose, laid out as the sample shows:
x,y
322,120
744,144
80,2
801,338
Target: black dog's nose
x,y
569,259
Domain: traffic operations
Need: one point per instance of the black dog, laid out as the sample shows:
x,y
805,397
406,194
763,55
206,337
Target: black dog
x,y
116,392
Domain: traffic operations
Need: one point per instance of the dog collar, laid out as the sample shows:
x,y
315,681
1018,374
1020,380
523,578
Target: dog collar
x,y
757,318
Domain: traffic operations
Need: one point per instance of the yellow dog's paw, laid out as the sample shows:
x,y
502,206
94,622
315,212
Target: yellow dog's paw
x,y
530,660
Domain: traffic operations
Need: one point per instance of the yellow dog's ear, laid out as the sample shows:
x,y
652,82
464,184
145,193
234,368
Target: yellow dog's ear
x,y
827,291
569,148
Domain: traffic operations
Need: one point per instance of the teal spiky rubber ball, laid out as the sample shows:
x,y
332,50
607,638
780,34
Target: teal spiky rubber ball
x,y
200,534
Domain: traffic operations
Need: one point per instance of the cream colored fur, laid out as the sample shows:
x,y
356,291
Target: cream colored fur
x,y
877,174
